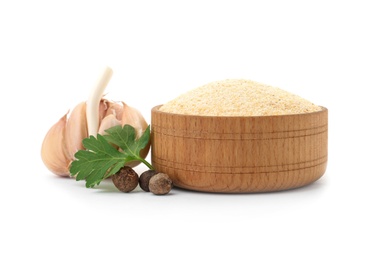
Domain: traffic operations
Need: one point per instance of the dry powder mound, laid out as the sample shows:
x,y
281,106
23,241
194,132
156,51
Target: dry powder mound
x,y
237,97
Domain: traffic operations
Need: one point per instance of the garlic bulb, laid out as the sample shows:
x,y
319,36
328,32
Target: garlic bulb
x,y
96,115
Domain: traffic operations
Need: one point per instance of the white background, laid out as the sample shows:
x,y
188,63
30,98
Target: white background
x,y
334,53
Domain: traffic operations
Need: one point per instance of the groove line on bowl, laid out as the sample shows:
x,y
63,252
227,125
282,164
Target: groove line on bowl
x,y
254,173
240,169
235,136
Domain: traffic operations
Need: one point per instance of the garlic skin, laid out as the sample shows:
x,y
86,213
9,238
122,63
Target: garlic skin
x,y
64,138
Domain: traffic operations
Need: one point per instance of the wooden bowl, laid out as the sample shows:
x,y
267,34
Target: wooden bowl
x,y
240,154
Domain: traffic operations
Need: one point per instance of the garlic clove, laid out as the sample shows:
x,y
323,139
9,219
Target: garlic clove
x,y
110,114
103,107
133,117
115,109
108,122
52,150
76,130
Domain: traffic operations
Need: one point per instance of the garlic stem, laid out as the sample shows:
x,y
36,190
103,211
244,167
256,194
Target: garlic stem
x,y
93,101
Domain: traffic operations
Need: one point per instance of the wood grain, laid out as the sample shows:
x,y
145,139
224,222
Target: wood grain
x,y
240,154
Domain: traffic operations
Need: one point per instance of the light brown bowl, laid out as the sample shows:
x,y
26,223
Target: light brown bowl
x,y
240,154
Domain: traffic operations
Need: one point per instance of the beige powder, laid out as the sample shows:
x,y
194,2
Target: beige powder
x,y
236,97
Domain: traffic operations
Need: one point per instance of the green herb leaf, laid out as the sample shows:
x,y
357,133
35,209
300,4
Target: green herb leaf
x,y
101,159
125,138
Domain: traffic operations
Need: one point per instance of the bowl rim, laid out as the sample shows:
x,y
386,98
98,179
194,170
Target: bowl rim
x,y
156,109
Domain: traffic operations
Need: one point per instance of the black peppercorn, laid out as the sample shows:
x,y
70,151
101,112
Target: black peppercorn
x,y
160,184
126,179
145,178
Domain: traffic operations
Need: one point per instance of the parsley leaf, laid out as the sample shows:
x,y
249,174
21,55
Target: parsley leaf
x,y
125,138
101,159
